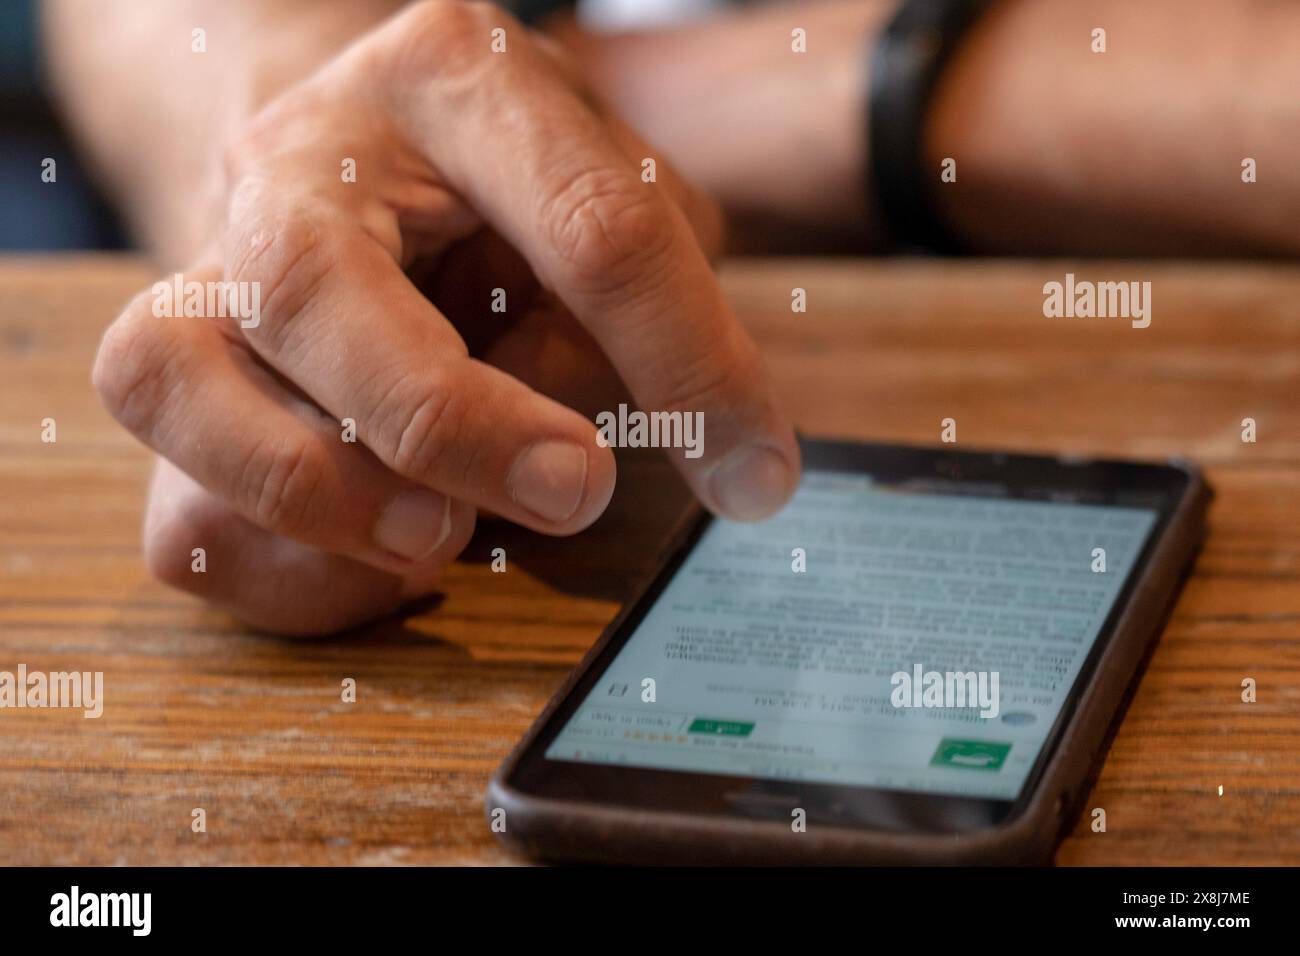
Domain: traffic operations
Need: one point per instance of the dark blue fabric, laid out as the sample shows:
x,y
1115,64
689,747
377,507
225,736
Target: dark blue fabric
x,y
18,43
68,213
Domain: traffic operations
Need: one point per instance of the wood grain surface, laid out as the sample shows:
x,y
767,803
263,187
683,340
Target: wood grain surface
x,y
200,712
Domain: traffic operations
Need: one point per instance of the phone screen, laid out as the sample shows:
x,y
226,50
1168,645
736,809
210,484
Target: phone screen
x,y
869,635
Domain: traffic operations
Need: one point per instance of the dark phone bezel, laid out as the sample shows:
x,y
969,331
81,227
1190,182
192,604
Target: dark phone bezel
x,y
915,469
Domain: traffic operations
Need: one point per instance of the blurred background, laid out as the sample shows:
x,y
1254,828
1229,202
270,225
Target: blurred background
x,y
75,216
1134,149
78,215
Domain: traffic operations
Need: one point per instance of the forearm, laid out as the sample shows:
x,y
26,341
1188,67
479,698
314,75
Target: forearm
x,y
154,115
778,137
1135,150
1058,149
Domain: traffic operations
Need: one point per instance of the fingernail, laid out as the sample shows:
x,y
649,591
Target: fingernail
x,y
549,479
751,484
414,524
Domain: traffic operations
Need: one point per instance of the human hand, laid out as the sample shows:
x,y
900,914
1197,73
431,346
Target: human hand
x,y
475,170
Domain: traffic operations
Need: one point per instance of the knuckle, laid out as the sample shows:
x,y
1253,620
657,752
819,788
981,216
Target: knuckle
x,y
419,431
607,230
285,483
708,381
284,259
443,36
133,370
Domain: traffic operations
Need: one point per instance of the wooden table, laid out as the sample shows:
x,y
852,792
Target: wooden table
x,y
201,713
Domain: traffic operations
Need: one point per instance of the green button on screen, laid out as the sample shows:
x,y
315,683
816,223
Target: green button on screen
x,y
725,728
970,754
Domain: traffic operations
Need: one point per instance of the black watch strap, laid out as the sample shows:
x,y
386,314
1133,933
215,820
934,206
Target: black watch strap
x,y
533,12
906,62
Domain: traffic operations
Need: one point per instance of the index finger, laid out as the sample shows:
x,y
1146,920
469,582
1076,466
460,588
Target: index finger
x,y
534,160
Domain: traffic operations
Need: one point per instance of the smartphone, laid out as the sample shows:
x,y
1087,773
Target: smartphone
x,y
915,662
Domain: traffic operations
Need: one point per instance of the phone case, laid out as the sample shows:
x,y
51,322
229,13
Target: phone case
x,y
572,831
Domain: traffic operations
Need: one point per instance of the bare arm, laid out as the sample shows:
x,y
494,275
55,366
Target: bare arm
x,y
1058,149
154,115
778,137
1136,150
